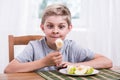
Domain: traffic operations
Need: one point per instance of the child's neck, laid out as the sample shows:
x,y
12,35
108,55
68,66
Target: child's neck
x,y
51,46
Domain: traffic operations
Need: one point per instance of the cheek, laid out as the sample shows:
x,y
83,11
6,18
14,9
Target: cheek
x,y
63,34
46,31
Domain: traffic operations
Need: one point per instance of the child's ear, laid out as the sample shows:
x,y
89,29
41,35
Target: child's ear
x,y
42,27
70,27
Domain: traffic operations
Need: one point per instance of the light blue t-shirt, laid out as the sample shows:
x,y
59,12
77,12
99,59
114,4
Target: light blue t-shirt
x,y
38,49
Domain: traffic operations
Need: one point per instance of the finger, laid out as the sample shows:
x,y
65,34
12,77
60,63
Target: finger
x,y
57,61
57,58
65,65
58,54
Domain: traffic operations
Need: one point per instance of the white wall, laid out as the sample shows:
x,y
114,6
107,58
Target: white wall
x,y
14,19
11,17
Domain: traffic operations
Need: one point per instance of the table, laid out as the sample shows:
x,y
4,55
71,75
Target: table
x,y
21,76
105,74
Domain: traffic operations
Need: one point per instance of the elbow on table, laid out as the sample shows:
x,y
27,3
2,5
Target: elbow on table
x,y
109,64
9,70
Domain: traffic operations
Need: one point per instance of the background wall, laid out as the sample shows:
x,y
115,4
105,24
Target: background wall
x,y
99,31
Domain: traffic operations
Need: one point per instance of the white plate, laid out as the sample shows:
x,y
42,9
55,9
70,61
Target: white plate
x,y
64,71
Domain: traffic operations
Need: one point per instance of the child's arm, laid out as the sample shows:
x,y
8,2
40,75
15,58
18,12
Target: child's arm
x,y
16,66
98,62
51,59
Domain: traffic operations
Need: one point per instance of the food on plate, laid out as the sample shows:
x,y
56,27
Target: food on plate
x,y
90,70
71,69
80,70
59,43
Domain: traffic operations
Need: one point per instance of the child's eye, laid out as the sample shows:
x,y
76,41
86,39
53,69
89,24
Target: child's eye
x,y
50,26
61,26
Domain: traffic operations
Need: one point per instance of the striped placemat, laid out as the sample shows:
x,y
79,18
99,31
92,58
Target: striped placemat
x,y
105,74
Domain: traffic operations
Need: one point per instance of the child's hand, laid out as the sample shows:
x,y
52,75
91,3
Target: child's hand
x,y
63,65
53,58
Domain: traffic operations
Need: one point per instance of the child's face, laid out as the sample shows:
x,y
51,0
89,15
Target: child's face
x,y
55,27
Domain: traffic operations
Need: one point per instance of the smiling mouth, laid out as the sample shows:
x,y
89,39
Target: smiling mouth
x,y
55,37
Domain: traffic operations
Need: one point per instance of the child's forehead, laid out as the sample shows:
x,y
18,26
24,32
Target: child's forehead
x,y
56,19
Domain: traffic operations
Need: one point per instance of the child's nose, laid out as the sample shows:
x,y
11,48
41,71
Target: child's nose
x,y
55,31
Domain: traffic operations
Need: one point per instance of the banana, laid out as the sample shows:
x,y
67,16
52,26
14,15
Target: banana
x,y
59,43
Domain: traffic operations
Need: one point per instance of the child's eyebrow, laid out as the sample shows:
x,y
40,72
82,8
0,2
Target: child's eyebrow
x,y
62,23
49,23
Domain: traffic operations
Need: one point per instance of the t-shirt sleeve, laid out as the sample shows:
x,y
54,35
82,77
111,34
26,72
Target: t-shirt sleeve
x,y
80,54
27,54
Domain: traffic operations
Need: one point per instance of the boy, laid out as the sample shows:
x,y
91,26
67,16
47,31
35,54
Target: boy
x,y
42,54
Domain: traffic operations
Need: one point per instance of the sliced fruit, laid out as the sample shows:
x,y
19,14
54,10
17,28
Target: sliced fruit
x,y
90,70
71,69
81,72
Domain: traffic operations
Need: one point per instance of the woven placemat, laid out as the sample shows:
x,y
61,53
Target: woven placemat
x,y
105,74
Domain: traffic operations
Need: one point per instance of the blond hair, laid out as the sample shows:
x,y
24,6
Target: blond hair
x,y
57,10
